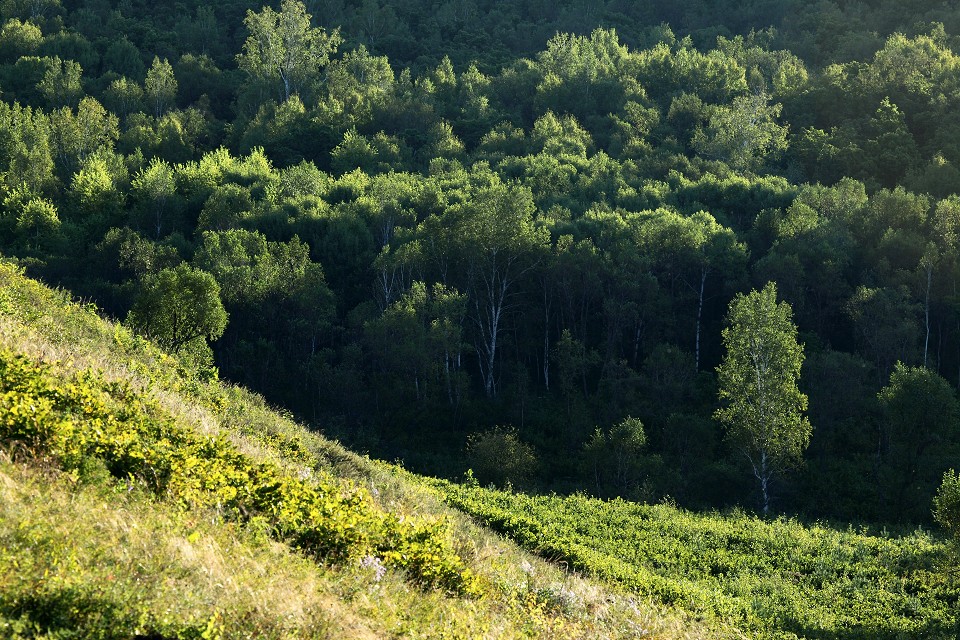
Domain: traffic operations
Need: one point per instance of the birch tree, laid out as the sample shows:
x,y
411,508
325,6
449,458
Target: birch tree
x,y
500,242
763,406
160,86
282,46
742,134
689,250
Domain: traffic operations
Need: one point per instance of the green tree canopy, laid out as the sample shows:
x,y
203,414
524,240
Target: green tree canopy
x,y
283,46
160,86
763,406
178,306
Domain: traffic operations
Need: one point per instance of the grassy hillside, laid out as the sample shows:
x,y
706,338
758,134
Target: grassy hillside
x,y
773,579
138,499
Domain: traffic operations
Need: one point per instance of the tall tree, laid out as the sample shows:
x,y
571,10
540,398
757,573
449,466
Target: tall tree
x,y
160,86
500,242
763,406
283,46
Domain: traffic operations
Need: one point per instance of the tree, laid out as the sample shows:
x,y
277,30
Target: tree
x,y
763,406
360,83
25,156
418,340
123,97
94,193
123,57
584,75
501,457
920,415
283,46
38,218
61,83
74,138
160,86
613,456
154,186
179,306
690,249
500,243
743,134
19,39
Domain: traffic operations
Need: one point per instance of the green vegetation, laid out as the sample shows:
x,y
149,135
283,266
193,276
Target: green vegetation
x,y
947,505
764,407
704,253
772,579
411,224
138,498
87,421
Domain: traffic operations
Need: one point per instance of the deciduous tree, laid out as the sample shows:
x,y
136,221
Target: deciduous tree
x,y
160,86
763,406
283,46
178,306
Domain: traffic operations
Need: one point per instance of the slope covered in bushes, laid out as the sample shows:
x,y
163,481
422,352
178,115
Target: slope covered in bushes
x,y
773,579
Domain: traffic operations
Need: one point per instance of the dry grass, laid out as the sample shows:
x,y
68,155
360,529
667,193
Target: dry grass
x,y
166,568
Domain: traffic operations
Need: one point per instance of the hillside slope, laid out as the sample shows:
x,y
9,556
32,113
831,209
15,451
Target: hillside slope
x,y
770,578
137,500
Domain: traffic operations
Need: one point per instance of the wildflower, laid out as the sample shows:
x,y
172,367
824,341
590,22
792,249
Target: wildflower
x,y
373,563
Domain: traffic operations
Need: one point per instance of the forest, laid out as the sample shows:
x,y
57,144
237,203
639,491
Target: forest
x,y
516,243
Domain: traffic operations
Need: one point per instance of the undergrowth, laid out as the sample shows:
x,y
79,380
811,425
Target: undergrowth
x,y
88,420
774,579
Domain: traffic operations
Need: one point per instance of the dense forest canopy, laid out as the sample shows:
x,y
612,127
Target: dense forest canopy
x,y
505,236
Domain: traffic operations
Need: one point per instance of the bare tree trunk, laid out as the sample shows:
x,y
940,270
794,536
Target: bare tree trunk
x,y
703,283
926,313
158,215
765,483
489,325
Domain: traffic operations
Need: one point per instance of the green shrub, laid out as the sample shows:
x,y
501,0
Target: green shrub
x,y
89,419
500,457
946,505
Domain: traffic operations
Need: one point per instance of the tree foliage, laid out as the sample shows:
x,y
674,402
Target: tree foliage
x,y
428,219
758,383
283,46
179,306
946,505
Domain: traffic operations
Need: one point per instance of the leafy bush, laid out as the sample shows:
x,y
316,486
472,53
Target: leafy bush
x,y
87,418
500,457
946,505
